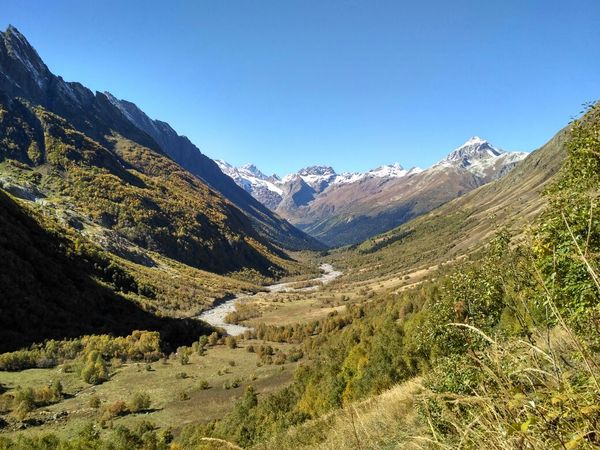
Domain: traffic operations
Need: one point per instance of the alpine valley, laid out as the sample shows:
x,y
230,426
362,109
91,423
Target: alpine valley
x,y
153,298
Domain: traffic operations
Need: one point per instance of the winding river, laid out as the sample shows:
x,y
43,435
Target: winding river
x,y
216,316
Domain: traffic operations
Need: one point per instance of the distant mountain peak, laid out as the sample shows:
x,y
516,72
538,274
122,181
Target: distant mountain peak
x,y
252,169
394,170
473,150
475,140
317,170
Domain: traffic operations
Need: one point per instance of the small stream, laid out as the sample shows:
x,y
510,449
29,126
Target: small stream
x,y
216,316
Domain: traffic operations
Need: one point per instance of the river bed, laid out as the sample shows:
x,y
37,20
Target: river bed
x,y
216,316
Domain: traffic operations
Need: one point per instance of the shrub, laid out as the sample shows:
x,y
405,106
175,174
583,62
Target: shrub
x,y
139,402
118,408
94,402
94,370
183,354
6,402
24,402
279,358
231,342
57,389
213,338
202,343
295,355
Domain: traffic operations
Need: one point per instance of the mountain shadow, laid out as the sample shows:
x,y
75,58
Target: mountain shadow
x,y
48,291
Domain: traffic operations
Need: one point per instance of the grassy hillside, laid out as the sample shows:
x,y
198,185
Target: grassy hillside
x,y
141,195
52,288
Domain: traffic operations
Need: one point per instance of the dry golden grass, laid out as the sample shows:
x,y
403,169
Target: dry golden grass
x,y
388,420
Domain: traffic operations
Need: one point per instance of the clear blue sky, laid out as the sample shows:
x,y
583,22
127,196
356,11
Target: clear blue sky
x,y
351,84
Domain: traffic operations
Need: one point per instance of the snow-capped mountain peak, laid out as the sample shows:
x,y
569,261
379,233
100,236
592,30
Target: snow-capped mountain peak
x,y
254,182
390,170
317,177
321,171
476,156
479,157
253,170
474,149
475,140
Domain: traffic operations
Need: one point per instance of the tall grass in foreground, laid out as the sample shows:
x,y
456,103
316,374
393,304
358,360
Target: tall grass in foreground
x,y
530,396
535,393
380,422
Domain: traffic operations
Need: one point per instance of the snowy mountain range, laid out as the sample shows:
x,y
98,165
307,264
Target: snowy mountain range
x,y
320,201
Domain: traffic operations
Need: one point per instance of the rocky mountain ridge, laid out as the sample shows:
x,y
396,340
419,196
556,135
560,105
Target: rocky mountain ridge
x,y
319,200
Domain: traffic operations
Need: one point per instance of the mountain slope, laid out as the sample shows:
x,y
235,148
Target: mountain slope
x,y
464,224
87,161
263,188
50,289
188,156
141,195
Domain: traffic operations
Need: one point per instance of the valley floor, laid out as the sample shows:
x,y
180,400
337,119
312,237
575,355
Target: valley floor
x,y
203,389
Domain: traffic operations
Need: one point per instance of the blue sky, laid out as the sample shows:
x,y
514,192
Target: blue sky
x,y
351,84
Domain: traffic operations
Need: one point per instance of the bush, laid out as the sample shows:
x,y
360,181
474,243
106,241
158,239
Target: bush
x,y
94,370
183,354
231,342
23,403
213,338
6,403
279,358
202,343
295,355
94,402
139,402
57,389
118,408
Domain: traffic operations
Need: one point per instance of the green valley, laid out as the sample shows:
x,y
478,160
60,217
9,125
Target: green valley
x,y
149,300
